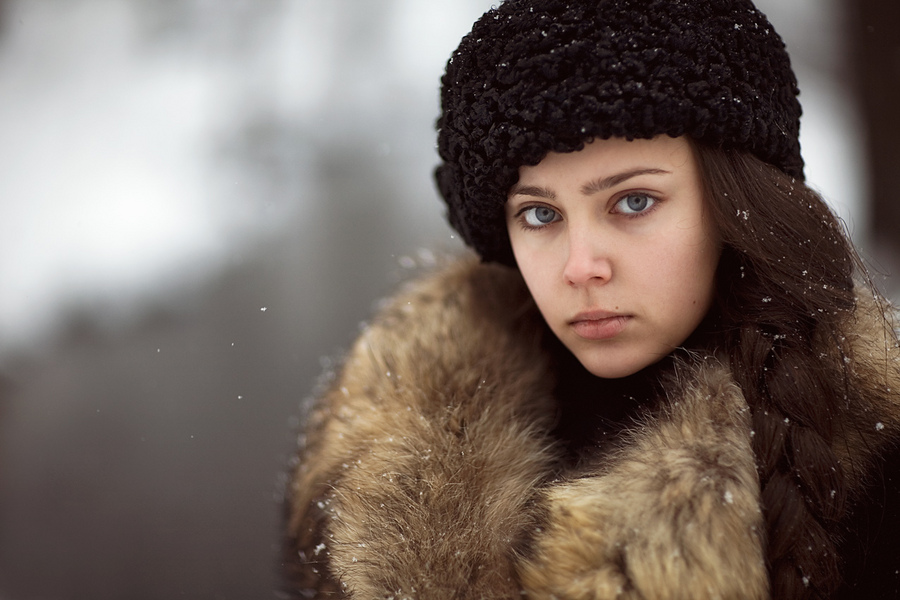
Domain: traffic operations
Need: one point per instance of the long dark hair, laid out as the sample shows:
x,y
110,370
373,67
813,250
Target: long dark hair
x,y
785,287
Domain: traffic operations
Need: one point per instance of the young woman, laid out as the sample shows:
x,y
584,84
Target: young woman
x,y
667,377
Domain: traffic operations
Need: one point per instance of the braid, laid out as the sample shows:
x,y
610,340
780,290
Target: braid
x,y
802,486
786,276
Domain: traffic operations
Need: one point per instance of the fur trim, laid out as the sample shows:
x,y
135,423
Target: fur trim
x,y
428,451
674,514
872,425
427,469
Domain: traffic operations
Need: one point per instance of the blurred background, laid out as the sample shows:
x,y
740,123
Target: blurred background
x,y
201,200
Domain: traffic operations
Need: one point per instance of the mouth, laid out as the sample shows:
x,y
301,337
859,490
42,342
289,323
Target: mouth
x,y
599,325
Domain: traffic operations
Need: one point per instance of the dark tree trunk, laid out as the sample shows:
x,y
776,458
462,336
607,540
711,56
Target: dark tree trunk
x,y
875,37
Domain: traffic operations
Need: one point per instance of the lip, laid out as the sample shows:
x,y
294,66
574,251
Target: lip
x,y
599,324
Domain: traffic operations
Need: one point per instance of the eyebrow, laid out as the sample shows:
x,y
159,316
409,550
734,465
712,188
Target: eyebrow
x,y
598,185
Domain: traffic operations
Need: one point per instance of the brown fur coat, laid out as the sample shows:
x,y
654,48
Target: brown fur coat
x,y
427,469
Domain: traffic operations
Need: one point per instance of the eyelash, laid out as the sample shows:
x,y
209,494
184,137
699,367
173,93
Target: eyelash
x,y
520,215
523,222
646,211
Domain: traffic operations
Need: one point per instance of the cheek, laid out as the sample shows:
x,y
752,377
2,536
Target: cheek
x,y
535,263
703,281
541,278
681,273
539,283
706,257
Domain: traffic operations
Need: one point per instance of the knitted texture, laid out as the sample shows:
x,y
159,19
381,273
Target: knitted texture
x,y
536,76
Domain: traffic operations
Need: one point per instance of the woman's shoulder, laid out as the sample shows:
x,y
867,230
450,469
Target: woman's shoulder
x,y
459,287
462,312
870,427
869,436
440,409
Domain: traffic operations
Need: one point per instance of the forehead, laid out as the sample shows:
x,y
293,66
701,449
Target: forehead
x,y
604,158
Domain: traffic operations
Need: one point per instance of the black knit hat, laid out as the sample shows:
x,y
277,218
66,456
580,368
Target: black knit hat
x,y
536,76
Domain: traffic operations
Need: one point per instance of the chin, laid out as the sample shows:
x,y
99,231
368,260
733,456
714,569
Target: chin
x,y
607,370
616,367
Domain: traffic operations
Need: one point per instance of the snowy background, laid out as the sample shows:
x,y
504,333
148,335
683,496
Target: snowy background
x,y
145,142
201,199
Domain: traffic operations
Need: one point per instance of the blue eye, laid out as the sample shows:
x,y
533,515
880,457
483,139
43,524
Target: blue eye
x,y
634,204
538,216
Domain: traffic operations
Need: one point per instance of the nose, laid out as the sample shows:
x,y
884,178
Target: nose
x,y
589,259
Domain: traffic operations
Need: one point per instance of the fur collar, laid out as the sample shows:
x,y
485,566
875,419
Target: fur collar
x,y
427,469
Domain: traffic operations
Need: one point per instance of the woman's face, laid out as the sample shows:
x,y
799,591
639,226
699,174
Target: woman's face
x,y
616,248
